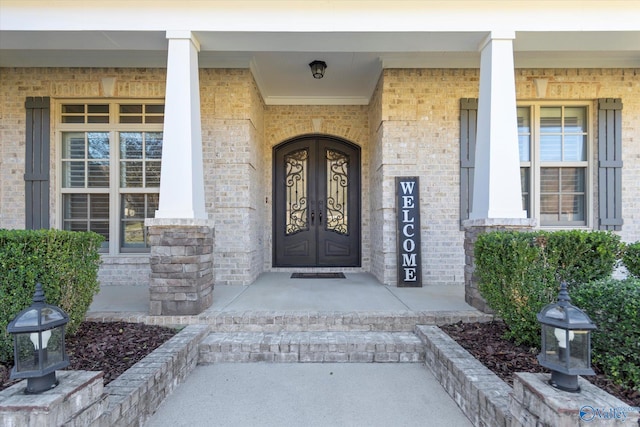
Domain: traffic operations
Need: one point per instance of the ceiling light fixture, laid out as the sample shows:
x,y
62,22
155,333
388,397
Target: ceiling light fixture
x,y
317,69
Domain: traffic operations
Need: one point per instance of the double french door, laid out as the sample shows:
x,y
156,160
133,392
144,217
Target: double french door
x,y
316,203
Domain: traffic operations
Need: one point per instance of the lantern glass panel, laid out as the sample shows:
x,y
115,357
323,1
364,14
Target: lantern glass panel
x,y
25,353
551,344
39,351
55,348
579,350
556,313
49,315
576,316
28,318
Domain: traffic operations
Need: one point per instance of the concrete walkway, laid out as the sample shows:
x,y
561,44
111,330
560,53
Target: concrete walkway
x,y
359,292
313,394
310,394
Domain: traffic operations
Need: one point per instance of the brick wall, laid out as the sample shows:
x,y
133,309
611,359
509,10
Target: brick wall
x,y
375,191
79,83
420,114
411,127
124,270
419,136
136,394
233,155
592,84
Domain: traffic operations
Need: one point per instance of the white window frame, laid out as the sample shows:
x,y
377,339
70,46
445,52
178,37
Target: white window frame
x,y
535,163
114,190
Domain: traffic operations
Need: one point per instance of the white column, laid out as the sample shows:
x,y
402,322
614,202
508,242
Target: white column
x,y
182,178
496,189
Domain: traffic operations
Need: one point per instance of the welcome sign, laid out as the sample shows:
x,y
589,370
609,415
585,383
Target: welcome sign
x,y
409,260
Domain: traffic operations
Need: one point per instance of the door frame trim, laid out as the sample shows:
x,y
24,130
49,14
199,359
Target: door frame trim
x,y
273,195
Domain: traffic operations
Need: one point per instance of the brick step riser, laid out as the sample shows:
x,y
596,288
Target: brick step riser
x,y
312,347
274,322
351,322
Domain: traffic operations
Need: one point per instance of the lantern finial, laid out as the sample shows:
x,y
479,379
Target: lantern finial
x,y
38,296
563,295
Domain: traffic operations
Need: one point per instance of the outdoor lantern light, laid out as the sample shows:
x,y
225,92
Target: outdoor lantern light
x,y
38,342
317,69
566,342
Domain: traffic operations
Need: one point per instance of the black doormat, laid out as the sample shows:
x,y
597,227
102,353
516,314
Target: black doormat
x,y
317,276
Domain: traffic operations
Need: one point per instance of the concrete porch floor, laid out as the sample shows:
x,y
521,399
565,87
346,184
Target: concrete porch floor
x,y
358,292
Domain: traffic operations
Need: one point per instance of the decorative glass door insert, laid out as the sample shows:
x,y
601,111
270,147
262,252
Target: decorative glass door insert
x,y
316,203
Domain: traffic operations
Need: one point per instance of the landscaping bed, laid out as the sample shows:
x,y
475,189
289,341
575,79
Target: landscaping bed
x,y
486,343
111,347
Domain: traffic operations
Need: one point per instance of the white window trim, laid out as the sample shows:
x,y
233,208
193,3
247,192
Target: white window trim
x,y
114,190
535,163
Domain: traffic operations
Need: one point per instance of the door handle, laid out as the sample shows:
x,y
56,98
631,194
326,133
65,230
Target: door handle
x,y
313,216
320,213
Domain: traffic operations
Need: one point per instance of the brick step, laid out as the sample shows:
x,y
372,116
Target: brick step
x,y
291,321
300,321
315,346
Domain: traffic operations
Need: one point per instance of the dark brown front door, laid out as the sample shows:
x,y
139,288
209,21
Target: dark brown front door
x,y
316,203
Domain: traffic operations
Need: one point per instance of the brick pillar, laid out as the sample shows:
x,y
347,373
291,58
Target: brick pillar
x,y
472,229
534,402
78,400
181,260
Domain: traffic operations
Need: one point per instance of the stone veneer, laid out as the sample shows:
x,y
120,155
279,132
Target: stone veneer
x,y
181,261
472,229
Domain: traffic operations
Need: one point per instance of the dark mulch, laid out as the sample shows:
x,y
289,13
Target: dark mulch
x,y
484,341
112,347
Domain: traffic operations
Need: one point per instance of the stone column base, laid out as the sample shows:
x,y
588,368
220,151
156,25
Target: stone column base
x,y
472,229
181,281
535,403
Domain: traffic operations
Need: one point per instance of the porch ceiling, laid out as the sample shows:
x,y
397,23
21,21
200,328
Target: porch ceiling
x,y
279,60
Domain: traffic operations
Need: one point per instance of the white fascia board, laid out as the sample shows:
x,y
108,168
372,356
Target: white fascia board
x,y
321,16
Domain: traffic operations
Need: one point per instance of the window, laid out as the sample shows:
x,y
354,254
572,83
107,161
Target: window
x,y
554,163
110,170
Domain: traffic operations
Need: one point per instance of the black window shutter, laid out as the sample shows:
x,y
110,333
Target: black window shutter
x,y
610,163
468,125
36,176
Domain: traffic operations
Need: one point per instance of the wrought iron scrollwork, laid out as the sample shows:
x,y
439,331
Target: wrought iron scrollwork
x,y
337,192
296,165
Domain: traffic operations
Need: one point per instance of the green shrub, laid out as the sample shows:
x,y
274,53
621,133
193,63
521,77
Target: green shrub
x,y
583,256
631,258
66,263
520,272
614,306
